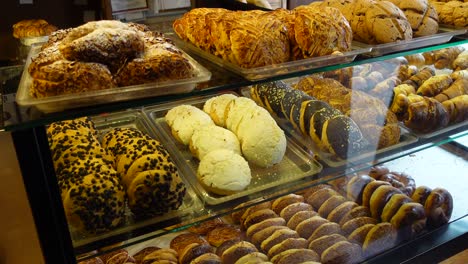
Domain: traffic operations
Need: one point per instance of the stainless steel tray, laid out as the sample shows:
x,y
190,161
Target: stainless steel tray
x,y
296,164
445,34
264,72
67,101
191,203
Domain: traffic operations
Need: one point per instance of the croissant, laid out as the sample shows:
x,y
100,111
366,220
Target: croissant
x,y
326,126
458,87
457,108
384,89
461,62
425,114
462,74
435,85
420,77
444,58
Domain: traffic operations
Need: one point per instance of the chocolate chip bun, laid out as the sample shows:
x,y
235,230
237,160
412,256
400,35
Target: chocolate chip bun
x,y
151,179
93,196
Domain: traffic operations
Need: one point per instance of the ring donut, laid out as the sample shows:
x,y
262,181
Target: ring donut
x,y
438,207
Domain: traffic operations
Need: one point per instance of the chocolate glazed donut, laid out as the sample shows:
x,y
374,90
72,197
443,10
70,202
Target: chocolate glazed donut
x,y
438,207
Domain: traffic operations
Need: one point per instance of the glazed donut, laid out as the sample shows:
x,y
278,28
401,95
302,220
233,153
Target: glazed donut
x,y
355,187
340,211
380,198
317,198
438,207
409,220
325,230
420,194
357,211
380,237
392,206
378,170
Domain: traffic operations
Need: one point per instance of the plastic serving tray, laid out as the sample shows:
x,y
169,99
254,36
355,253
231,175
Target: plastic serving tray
x,y
445,34
296,164
135,119
406,138
259,73
67,101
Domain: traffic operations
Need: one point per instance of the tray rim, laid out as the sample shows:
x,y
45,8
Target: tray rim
x,y
315,166
280,69
24,99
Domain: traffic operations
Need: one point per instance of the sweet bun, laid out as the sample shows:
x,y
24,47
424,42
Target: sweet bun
x,y
421,15
232,254
163,255
192,251
289,243
357,211
359,234
216,107
322,243
342,252
276,237
355,223
324,230
296,256
392,206
380,198
340,211
207,258
179,242
32,28
293,208
224,172
279,203
438,207
253,229
222,233
299,217
184,120
330,204
308,226
317,198
253,257
209,138
205,227
257,217
381,237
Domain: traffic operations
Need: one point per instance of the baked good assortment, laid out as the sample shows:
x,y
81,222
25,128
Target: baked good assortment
x,y
330,129
32,28
92,194
102,55
258,38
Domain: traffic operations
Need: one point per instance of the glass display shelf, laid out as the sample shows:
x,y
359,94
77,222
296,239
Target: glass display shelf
x,y
222,79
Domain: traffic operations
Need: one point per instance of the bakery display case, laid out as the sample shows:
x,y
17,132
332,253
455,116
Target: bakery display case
x,y
314,159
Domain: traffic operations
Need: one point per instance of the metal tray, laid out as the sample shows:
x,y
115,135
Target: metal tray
x,y
296,164
191,203
67,101
406,138
438,132
445,34
264,72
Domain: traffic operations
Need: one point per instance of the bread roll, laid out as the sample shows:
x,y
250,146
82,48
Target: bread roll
x,y
421,15
32,28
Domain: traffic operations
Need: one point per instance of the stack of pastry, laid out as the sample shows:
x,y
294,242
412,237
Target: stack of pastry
x,y
379,126
374,22
92,194
258,38
331,130
146,170
222,170
32,28
452,12
105,54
